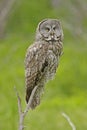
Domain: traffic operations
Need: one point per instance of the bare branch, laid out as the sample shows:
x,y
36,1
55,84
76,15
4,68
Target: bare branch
x,y
69,121
23,114
19,101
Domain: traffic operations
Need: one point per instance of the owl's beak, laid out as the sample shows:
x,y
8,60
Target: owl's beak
x,y
52,36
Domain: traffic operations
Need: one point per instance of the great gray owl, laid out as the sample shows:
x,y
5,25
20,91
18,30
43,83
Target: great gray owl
x,y
42,58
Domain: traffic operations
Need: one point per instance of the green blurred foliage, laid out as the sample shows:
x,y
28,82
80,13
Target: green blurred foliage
x,y
67,92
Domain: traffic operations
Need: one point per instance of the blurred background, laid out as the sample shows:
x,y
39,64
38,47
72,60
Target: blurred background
x,y
68,91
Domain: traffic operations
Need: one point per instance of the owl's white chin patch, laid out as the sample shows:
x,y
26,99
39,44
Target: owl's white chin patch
x,y
48,39
52,38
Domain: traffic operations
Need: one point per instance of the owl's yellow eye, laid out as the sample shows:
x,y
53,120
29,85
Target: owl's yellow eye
x,y
54,28
47,29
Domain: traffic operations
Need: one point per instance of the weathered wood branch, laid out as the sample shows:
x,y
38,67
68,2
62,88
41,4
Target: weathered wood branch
x,y
69,121
22,114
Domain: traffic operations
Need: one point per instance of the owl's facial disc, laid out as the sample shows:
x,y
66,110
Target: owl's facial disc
x,y
50,33
51,30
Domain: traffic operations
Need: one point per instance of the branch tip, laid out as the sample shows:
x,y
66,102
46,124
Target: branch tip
x,y
69,121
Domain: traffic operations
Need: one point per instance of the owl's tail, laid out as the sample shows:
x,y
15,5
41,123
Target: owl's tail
x,y
36,99
28,93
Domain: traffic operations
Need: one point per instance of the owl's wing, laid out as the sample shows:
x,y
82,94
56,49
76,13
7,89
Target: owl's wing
x,y
34,66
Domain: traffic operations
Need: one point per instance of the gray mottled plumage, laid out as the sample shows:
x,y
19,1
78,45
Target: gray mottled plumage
x,y
42,58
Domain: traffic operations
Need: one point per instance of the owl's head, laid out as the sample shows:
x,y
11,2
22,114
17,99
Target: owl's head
x,y
49,30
